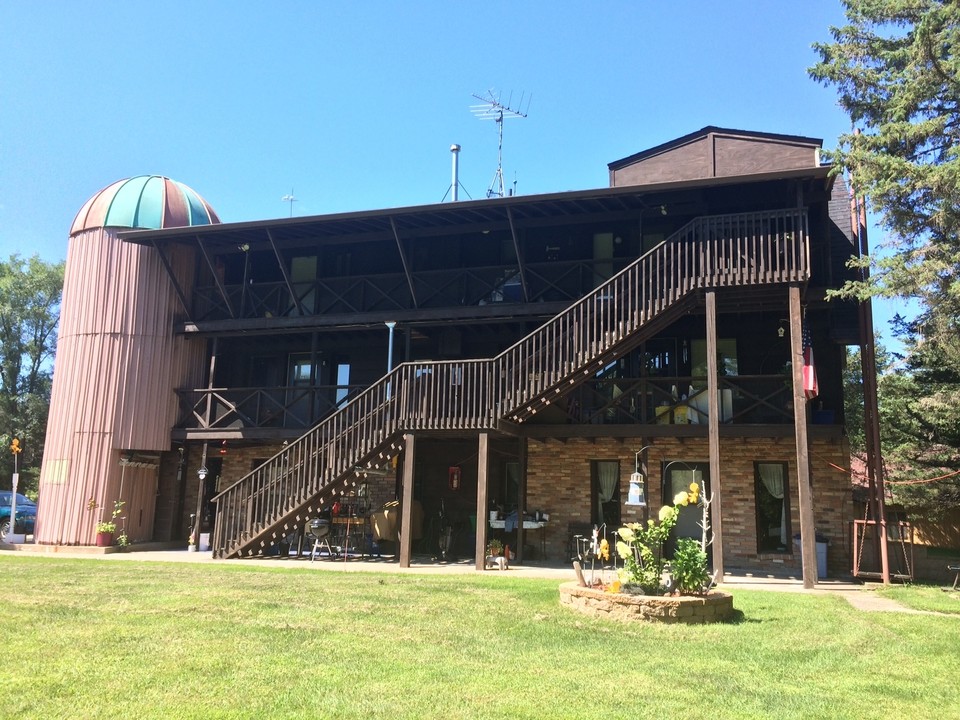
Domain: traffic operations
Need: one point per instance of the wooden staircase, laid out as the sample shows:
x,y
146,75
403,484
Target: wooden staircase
x,y
723,251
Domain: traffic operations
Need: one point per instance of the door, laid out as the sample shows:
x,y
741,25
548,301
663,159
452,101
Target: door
x,y
303,375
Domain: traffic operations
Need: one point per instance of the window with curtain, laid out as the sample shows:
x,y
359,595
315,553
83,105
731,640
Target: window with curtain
x,y
605,486
773,507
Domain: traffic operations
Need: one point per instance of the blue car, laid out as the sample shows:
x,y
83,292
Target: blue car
x,y
26,514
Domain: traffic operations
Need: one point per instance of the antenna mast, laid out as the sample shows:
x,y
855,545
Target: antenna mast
x,y
492,109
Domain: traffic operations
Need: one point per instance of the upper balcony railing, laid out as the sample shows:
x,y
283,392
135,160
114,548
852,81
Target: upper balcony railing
x,y
743,400
292,408
555,281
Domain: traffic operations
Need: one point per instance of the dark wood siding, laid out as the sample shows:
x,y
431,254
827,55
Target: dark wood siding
x,y
717,155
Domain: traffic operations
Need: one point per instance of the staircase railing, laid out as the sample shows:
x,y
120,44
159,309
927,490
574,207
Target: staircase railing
x,y
710,252
715,251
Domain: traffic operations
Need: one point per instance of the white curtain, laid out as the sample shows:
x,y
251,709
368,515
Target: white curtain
x,y
771,475
608,472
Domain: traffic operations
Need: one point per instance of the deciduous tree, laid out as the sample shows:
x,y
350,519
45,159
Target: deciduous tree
x,y
30,292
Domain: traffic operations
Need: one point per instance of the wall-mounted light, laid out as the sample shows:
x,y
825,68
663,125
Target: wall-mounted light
x,y
202,473
663,209
243,248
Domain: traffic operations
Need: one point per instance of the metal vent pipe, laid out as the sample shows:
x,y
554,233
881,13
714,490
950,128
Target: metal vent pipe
x,y
455,180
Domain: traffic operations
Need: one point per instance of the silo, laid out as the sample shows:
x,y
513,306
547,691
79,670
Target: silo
x,y
118,361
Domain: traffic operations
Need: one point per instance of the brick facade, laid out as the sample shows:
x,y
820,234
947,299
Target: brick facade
x,y
558,482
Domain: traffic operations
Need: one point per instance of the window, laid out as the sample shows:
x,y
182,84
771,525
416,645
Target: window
x,y
605,492
343,383
726,357
677,476
773,507
511,486
302,372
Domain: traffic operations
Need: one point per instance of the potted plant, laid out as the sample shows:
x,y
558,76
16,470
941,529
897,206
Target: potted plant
x,y
494,548
105,529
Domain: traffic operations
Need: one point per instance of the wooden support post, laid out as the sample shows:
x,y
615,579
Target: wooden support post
x,y
713,435
808,549
522,499
483,477
406,501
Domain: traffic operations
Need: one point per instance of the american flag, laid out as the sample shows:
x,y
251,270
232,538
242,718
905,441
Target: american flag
x,y
810,387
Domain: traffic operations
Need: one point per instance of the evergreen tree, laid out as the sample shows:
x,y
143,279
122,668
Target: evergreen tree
x,y
897,74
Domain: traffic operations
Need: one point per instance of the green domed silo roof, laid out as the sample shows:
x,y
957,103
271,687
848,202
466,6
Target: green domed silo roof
x,y
148,202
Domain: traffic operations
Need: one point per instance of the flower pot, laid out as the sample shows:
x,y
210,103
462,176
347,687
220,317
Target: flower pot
x,y
104,539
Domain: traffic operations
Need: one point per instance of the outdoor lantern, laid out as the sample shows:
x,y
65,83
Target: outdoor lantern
x,y
637,494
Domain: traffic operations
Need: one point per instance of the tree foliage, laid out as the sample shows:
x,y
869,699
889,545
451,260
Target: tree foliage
x,y
30,292
896,71
921,435
897,75
918,430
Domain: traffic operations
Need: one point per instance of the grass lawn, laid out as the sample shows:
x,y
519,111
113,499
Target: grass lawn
x,y
94,639
924,597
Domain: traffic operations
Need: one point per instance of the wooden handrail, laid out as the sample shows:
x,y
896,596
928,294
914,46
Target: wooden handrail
x,y
709,252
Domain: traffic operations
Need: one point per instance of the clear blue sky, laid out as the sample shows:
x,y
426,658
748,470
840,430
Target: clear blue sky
x,y
354,105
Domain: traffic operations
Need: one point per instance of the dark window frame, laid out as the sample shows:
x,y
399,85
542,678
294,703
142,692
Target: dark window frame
x,y
764,544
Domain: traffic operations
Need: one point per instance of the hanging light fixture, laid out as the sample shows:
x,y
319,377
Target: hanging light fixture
x,y
637,493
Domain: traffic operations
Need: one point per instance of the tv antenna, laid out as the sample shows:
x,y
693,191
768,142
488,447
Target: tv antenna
x,y
493,109
290,199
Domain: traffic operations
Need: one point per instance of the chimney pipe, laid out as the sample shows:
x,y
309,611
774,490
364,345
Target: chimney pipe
x,y
455,181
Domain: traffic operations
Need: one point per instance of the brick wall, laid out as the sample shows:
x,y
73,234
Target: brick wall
x,y
558,482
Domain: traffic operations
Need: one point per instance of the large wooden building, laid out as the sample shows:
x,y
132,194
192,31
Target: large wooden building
x,y
541,350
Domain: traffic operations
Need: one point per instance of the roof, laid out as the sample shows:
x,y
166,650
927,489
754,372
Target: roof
x,y
712,129
572,207
145,202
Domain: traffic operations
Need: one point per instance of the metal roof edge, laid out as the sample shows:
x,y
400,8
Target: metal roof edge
x,y
149,236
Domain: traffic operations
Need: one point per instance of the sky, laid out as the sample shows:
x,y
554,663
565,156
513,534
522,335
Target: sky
x,y
354,106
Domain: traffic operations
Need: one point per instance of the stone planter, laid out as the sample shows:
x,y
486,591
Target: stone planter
x,y
689,609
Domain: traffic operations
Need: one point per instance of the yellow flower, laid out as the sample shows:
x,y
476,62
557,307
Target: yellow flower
x,y
614,587
623,550
665,512
681,498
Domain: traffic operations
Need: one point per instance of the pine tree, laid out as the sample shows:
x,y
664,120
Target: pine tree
x,y
897,74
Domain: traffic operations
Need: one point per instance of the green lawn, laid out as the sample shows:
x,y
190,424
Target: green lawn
x,y
95,639
924,597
